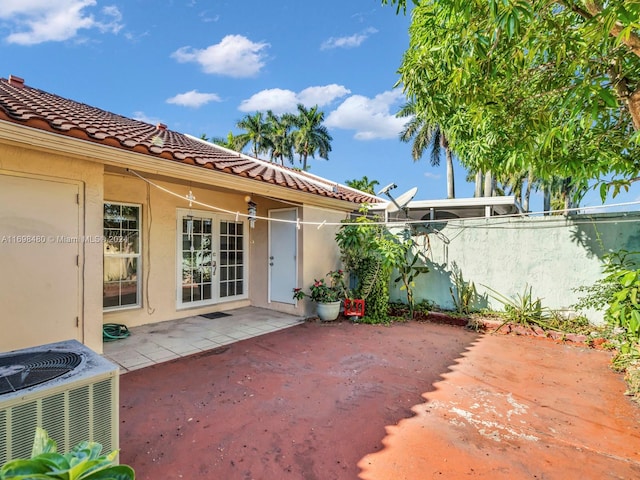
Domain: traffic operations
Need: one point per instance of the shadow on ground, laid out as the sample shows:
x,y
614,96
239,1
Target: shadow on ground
x,y
308,402
517,408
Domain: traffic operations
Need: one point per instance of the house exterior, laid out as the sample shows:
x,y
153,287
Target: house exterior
x,y
106,219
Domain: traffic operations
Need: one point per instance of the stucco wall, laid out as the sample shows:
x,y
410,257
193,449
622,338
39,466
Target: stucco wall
x,y
319,250
159,277
553,255
35,164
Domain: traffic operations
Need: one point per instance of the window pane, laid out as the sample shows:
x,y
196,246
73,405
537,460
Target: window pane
x,y
206,291
121,262
187,293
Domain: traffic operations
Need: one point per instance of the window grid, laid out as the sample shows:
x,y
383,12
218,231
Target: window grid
x,y
121,259
231,259
197,258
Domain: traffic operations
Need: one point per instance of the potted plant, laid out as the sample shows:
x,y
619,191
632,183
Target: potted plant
x,y
327,296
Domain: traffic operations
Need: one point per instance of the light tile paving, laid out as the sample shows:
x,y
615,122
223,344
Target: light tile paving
x,y
164,341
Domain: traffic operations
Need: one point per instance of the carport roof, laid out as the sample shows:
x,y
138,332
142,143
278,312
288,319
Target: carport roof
x,y
34,108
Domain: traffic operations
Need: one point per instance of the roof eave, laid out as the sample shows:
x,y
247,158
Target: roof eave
x,y
20,135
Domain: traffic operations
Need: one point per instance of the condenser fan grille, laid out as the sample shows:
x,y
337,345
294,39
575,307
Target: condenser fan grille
x,y
25,370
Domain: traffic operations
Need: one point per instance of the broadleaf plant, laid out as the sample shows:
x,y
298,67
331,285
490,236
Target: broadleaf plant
x,y
83,462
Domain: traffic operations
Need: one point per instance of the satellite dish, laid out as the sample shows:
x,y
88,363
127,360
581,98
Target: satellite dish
x,y
434,225
386,189
402,201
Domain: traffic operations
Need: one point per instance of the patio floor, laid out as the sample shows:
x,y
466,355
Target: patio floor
x,y
164,341
411,401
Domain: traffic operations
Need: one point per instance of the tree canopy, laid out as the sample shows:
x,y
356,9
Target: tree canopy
x,y
280,136
551,87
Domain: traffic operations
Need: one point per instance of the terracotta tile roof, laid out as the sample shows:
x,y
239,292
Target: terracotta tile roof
x,y
38,109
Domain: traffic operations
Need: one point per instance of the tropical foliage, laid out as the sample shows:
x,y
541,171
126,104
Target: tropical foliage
x,y
322,292
413,264
618,294
363,184
83,462
547,87
310,135
257,133
282,137
427,136
370,253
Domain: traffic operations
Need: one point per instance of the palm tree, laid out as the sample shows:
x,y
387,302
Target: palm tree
x,y
363,184
520,185
257,132
281,138
424,136
310,135
230,142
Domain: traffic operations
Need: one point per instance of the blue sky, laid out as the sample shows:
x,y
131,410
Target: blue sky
x,y
200,66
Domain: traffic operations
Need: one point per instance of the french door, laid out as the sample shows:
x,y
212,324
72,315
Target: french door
x,y
212,264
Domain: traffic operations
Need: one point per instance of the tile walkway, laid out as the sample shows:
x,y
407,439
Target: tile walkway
x,y
164,341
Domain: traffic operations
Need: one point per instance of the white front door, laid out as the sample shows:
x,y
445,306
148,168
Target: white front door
x,y
283,255
40,258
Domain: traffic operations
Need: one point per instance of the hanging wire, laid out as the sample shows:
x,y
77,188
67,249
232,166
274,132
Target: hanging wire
x,y
497,221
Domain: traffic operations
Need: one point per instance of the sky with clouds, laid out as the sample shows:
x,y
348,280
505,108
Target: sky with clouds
x,y
200,66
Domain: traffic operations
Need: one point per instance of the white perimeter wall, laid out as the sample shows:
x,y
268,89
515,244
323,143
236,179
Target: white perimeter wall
x,y
552,254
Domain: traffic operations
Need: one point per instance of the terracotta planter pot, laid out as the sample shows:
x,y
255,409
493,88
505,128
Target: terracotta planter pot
x,y
328,311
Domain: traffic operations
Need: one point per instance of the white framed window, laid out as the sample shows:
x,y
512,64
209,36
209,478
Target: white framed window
x,y
122,258
212,263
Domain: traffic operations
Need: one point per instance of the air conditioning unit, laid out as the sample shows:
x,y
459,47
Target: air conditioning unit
x,y
65,388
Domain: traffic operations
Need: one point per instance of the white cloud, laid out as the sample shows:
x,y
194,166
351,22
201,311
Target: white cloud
x,y
371,118
193,99
235,56
282,101
39,21
276,99
350,41
207,17
142,117
435,176
322,96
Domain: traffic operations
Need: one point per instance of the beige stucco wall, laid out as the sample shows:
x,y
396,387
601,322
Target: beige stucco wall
x,y
34,164
319,250
159,277
259,254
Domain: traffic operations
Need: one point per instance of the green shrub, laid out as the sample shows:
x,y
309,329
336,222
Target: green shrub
x,y
83,462
617,294
522,309
463,293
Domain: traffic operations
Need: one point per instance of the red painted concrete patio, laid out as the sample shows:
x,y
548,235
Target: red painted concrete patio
x,y
409,401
